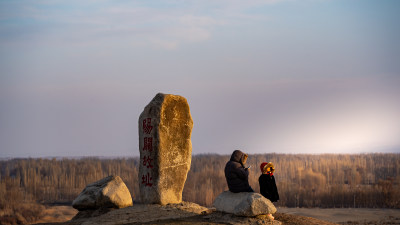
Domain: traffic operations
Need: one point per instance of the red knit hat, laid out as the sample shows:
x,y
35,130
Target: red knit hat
x,y
262,166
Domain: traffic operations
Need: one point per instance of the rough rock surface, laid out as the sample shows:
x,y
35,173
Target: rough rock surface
x,y
244,204
165,127
109,192
146,213
182,213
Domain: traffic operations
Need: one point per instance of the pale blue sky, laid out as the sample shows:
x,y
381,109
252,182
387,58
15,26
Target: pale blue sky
x,y
295,76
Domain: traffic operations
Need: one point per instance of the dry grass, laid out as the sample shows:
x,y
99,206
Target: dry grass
x,y
57,214
31,213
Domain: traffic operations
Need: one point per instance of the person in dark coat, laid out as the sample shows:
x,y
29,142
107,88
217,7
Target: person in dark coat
x,y
267,182
236,174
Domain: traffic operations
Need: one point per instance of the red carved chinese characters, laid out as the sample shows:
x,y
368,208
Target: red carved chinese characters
x,y
148,144
147,126
147,147
147,162
146,179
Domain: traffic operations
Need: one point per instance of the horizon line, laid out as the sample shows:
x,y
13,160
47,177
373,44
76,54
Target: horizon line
x,y
197,154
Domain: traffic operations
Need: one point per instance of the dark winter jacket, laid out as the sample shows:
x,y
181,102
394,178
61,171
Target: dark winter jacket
x,y
268,187
236,175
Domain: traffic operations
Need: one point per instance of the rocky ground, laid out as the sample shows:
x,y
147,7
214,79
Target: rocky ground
x,y
183,213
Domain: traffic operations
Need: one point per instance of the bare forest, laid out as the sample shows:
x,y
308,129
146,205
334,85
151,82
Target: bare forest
x,y
327,181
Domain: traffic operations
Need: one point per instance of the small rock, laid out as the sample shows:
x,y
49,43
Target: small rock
x,y
109,192
244,204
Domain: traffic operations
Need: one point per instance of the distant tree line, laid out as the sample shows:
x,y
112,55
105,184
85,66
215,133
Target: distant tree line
x,y
51,181
329,180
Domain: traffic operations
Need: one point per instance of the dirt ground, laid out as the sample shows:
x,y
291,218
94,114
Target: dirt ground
x,y
190,213
184,213
348,215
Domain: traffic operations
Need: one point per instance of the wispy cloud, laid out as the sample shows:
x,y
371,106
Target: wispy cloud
x,y
165,24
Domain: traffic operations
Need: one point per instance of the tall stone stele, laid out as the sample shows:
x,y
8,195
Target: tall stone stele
x,y
165,128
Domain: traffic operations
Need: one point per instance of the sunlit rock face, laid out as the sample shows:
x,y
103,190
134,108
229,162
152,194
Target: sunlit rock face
x,y
109,192
244,204
165,128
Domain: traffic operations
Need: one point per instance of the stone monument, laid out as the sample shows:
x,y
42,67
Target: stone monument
x,y
165,128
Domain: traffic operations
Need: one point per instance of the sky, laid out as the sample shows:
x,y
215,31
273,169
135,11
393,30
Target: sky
x,y
263,76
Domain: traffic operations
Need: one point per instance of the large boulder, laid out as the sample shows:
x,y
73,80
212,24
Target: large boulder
x,y
109,192
165,128
244,204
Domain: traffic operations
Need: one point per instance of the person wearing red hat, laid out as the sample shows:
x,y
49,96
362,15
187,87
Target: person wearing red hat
x,y
267,182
